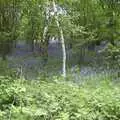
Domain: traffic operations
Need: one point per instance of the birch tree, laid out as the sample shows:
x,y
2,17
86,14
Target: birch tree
x,y
45,37
61,37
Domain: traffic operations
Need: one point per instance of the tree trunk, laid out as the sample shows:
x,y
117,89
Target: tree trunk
x,y
62,39
45,39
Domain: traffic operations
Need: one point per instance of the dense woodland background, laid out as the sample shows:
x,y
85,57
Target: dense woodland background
x,y
59,59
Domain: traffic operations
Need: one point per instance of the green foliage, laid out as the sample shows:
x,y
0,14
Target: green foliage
x,y
85,21
112,54
40,100
10,95
6,71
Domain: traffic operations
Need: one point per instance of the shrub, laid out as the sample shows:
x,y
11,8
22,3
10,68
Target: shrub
x,y
10,94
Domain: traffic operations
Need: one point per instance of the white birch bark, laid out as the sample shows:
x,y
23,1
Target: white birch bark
x,y
45,32
46,23
62,38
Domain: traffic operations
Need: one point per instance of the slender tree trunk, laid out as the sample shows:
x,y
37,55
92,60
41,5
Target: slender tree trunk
x,y
62,39
45,39
47,18
45,32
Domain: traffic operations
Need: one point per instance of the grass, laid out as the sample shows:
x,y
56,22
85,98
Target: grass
x,y
56,99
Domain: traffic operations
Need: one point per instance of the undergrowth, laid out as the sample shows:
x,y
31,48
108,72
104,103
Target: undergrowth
x,y
55,100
